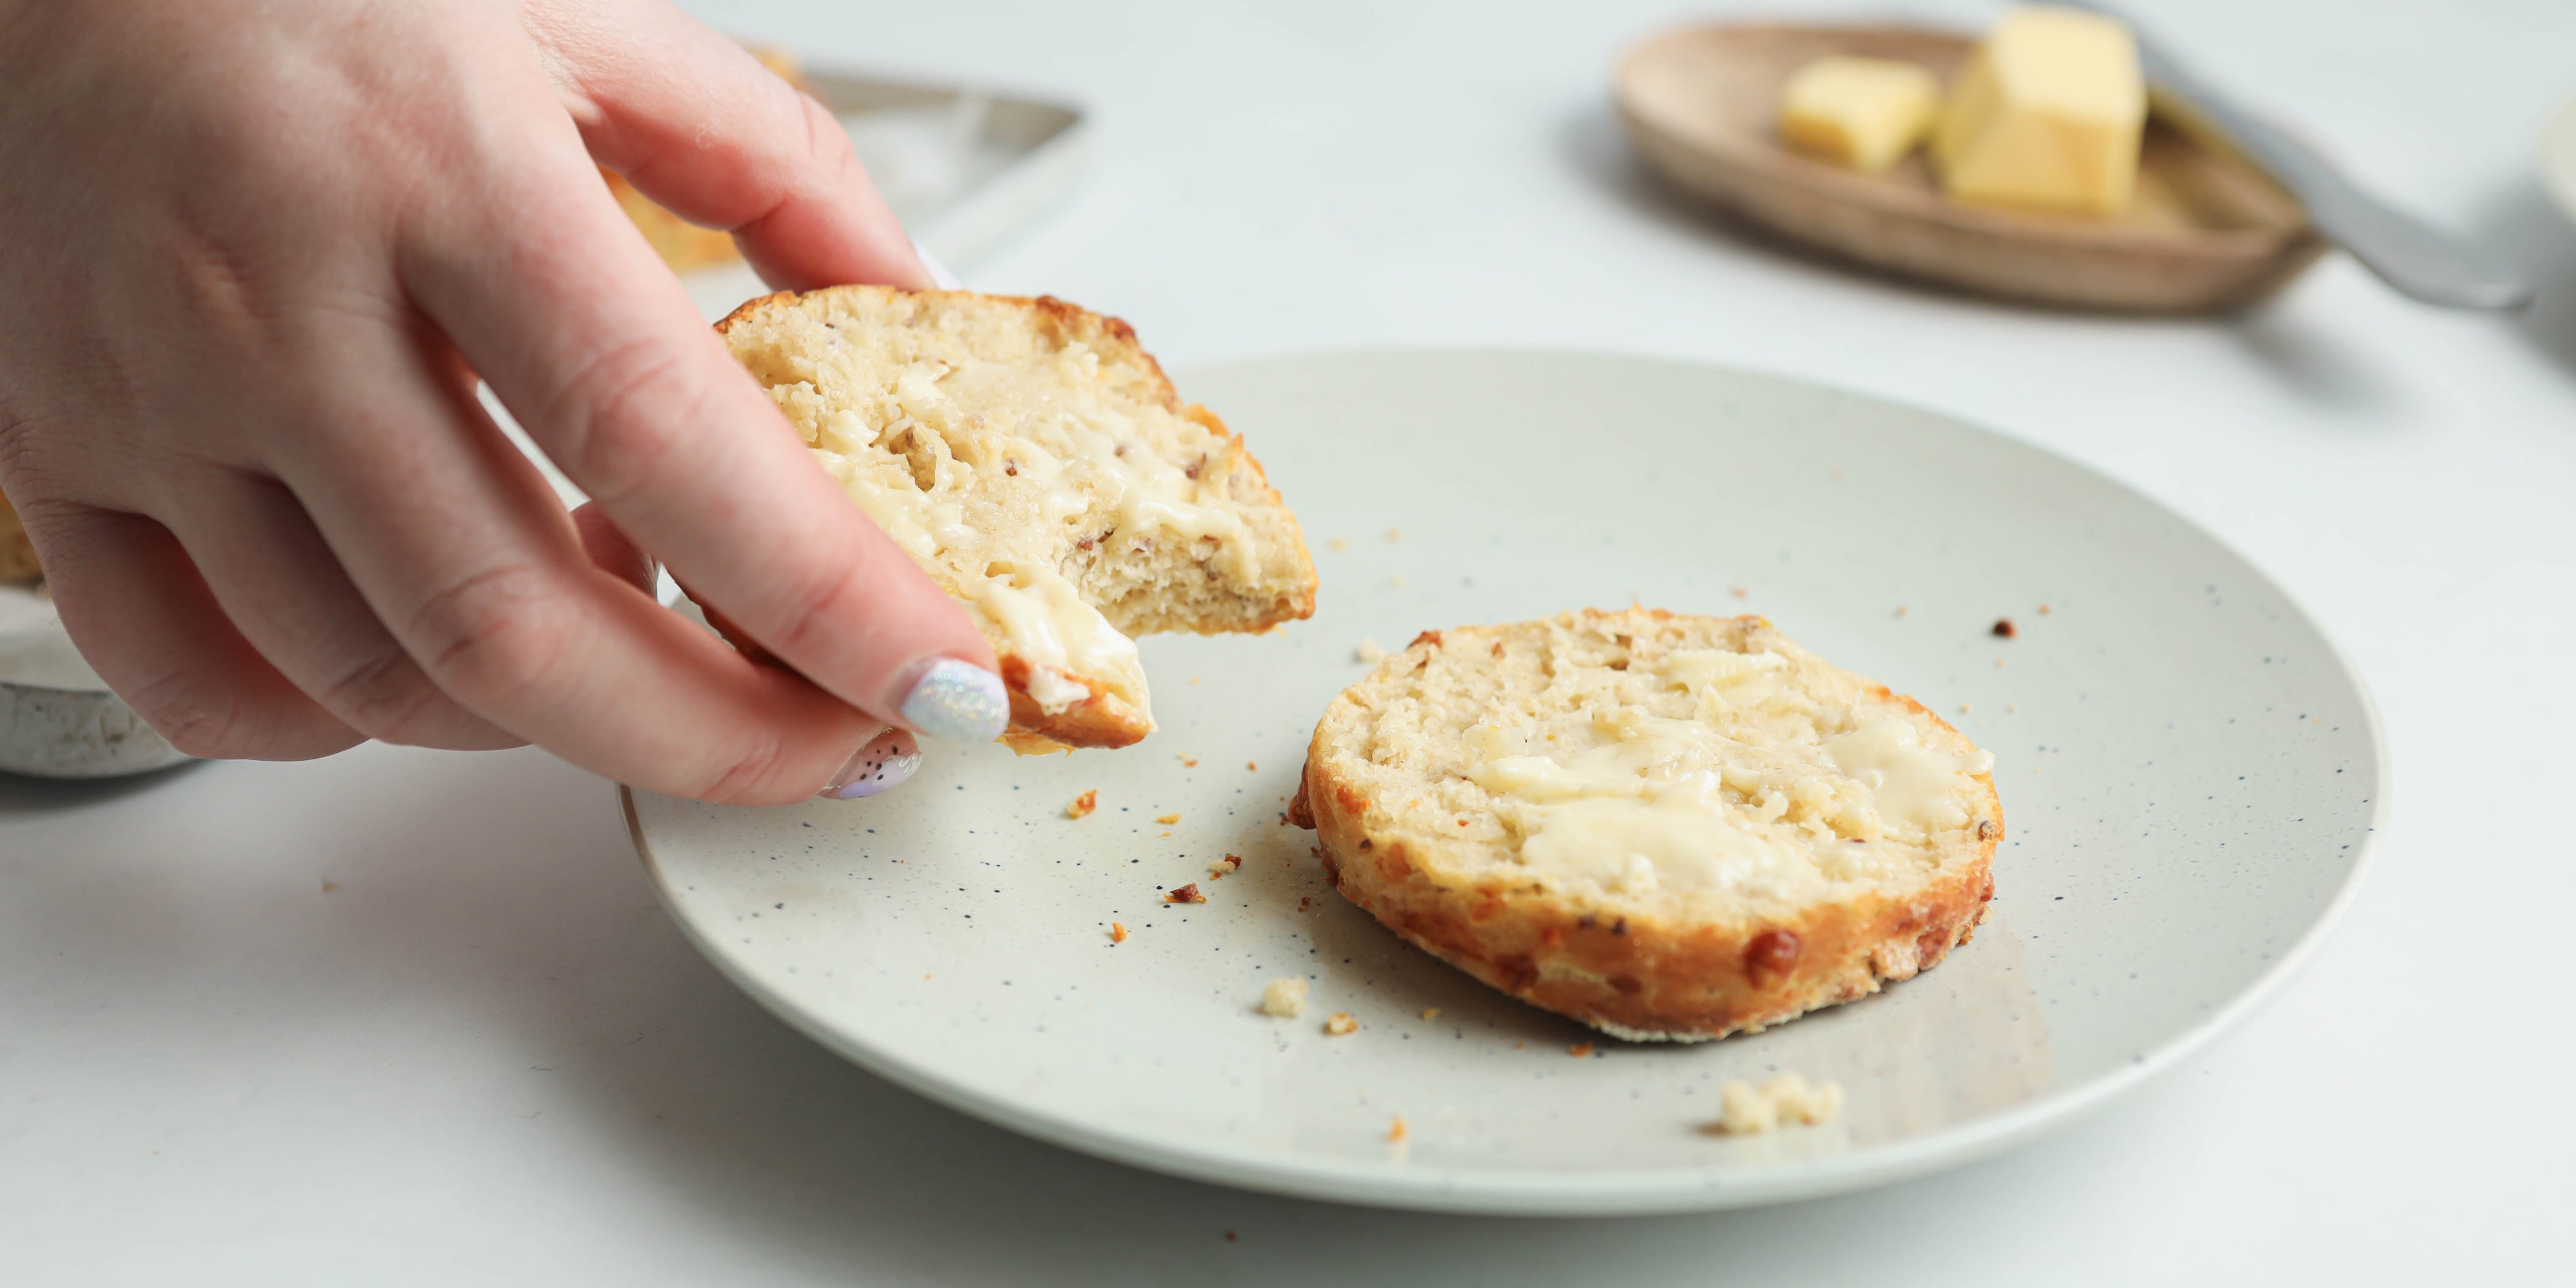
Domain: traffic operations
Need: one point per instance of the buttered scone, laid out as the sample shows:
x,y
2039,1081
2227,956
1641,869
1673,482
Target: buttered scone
x,y
1666,827
1034,459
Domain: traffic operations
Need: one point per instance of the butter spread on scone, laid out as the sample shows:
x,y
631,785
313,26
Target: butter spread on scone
x,y
1664,826
1034,459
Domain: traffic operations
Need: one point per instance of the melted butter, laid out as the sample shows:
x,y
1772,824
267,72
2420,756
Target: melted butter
x,y
1637,802
1908,782
1043,619
1045,448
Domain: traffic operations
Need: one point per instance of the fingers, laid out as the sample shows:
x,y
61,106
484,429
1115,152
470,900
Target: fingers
x,y
481,575
558,303
697,124
610,549
148,625
282,588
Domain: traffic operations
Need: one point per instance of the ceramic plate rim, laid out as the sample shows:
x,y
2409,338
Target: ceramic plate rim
x,y
1635,1192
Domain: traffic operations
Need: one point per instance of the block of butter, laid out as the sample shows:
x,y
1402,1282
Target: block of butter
x,y
1865,113
2046,115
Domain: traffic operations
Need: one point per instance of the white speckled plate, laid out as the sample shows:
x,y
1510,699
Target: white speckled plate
x,y
2189,771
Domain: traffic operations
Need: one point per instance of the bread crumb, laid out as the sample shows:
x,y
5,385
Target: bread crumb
x,y
1397,1131
2043,610
1431,1012
1746,1110
1339,543
1395,534
1251,767
1340,1024
1167,819
1194,679
1229,1236
1369,652
1901,610
1118,932
1739,592
1999,664
1083,805
1186,894
1963,708
329,886
2004,629
1302,902
1284,998
1579,1050
1189,761
1226,866
2011,707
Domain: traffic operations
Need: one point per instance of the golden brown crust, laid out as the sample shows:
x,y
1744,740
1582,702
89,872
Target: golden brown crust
x,y
1640,977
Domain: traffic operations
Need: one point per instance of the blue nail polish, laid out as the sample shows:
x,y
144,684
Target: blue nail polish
x,y
880,766
958,700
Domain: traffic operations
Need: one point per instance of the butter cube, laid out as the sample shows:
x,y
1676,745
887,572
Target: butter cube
x,y
1865,113
2046,115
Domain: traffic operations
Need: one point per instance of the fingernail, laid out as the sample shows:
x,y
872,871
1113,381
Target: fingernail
x,y
881,766
959,700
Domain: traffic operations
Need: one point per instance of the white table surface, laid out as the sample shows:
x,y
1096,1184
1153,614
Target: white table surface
x,y
413,1017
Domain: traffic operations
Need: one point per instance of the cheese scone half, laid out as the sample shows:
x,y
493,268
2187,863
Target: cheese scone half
x,y
1666,827
1033,458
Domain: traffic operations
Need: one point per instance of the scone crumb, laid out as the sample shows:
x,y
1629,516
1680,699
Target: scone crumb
x,y
1739,592
1398,1132
1225,867
1579,1050
1167,819
1431,1012
1340,1024
1083,805
2004,629
1186,894
1189,762
1369,651
1396,582
2043,610
1251,767
1747,1110
1118,932
1395,534
1339,543
1303,902
1901,610
1284,998
1963,708
329,886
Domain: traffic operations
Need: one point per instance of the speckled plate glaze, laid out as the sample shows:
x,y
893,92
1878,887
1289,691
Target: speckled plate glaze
x,y
2190,774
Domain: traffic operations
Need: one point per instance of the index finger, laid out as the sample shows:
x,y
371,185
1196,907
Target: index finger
x,y
556,300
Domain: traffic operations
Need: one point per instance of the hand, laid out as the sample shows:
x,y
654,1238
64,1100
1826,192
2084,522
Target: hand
x,y
254,255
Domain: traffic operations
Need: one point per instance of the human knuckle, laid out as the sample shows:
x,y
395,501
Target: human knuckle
x,y
612,416
749,774
385,695
497,633
196,713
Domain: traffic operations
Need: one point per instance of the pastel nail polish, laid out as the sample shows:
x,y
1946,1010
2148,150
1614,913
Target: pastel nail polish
x,y
959,700
880,766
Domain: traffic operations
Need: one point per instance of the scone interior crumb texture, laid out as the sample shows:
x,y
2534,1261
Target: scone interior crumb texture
x,y
1284,998
1745,1109
1667,827
1035,460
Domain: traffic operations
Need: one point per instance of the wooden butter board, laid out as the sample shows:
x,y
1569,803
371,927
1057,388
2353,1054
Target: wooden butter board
x,y
2207,232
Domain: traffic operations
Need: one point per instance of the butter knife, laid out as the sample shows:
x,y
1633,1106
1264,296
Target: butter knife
x,y
2410,255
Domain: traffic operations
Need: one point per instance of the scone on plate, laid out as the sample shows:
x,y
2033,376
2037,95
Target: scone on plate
x,y
1033,458
1666,827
